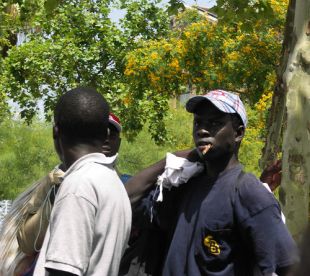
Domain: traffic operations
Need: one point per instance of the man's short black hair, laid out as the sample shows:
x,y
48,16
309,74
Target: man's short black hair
x,y
82,114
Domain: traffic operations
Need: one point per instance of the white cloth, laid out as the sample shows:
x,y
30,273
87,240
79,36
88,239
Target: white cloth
x,y
178,171
90,221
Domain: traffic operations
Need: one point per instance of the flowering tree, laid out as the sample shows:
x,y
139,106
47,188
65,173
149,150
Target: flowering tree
x,y
236,55
141,65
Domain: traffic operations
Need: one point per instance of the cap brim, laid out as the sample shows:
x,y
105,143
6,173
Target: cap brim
x,y
227,104
193,102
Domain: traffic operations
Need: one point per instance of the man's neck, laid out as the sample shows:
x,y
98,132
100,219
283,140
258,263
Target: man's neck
x,y
215,167
75,152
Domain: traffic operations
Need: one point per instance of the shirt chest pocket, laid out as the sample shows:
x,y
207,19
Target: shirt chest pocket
x,y
214,248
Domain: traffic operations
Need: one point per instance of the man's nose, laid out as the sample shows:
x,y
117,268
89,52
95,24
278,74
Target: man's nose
x,y
202,132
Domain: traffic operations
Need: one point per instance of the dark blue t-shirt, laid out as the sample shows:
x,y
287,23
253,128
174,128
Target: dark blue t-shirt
x,y
221,228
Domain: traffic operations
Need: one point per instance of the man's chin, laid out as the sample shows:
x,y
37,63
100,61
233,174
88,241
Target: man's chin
x,y
215,156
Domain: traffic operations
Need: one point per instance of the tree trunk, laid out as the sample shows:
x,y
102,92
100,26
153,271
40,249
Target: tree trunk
x,y
290,113
277,114
12,10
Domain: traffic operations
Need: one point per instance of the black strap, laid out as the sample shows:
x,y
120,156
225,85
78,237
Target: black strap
x,y
236,186
240,238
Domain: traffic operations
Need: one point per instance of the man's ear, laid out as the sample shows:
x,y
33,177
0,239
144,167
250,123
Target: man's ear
x,y
239,133
55,132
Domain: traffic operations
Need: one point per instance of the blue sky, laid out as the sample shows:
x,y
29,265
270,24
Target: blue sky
x,y
202,3
117,14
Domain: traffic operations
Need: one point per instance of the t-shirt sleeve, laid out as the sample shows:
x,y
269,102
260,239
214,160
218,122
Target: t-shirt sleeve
x,y
71,229
270,239
262,227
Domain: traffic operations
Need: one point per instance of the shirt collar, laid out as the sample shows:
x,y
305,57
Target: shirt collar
x,y
238,167
99,158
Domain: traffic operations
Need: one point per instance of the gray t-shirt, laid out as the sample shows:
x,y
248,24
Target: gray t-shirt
x,y
90,221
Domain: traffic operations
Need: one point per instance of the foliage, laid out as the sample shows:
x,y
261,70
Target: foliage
x,y
174,6
27,153
15,16
138,64
203,56
76,43
142,152
143,19
252,143
251,13
186,17
73,47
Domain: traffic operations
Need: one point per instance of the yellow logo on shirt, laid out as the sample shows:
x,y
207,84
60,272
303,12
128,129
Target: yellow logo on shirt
x,y
212,245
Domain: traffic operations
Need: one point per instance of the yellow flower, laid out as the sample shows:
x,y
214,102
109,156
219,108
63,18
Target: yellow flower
x,y
154,55
264,102
167,47
279,6
174,64
127,100
128,72
197,80
240,37
187,34
220,77
143,68
153,78
233,56
130,61
247,49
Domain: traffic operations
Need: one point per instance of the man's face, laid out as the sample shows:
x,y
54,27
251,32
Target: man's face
x,y
113,141
214,129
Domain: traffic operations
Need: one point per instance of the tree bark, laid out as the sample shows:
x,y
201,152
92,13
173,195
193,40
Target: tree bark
x,y
291,113
277,114
13,11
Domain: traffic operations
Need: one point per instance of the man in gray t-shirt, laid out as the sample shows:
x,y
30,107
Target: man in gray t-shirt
x,y
91,218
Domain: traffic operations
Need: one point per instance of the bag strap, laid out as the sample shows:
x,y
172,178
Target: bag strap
x,y
239,236
236,185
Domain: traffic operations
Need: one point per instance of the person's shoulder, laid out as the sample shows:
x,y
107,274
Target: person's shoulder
x,y
80,185
91,173
95,182
253,195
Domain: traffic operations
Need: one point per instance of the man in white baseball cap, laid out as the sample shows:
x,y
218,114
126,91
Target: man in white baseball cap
x,y
227,102
223,221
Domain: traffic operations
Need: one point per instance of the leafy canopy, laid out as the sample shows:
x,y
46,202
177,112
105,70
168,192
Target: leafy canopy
x,y
75,43
200,55
139,63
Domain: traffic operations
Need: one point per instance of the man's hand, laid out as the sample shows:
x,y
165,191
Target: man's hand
x,y
272,175
191,155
